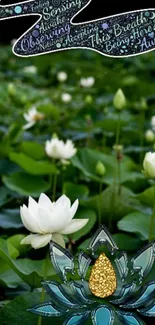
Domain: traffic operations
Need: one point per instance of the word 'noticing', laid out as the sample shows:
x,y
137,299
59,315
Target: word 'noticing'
x,y
121,35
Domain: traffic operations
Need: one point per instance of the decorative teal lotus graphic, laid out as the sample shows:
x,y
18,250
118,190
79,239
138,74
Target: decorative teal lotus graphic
x,y
105,272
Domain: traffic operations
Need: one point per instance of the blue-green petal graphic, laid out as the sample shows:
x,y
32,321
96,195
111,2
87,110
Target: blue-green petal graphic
x,y
76,319
73,300
122,265
103,315
147,294
80,292
149,311
62,260
83,264
102,236
144,260
125,294
129,319
46,309
58,294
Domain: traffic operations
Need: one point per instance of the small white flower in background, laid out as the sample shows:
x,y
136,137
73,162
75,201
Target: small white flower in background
x,y
32,116
119,100
13,41
87,82
58,149
30,69
149,165
48,220
62,76
149,136
153,122
66,98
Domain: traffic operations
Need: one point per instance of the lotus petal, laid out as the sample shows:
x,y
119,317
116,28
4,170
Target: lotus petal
x,y
59,295
102,236
80,292
77,319
83,264
147,293
103,313
47,309
129,318
122,265
149,311
144,260
62,260
125,294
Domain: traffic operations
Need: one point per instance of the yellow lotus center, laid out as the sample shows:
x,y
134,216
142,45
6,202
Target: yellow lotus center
x,y
102,281
38,117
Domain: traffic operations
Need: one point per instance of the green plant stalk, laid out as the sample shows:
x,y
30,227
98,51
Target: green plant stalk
x,y
152,218
118,164
104,142
54,187
43,291
50,180
112,201
100,205
119,176
118,129
142,120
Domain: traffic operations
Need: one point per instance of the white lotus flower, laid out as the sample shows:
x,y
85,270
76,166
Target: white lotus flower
x,y
48,220
32,116
149,165
30,69
58,149
87,82
62,76
66,98
153,122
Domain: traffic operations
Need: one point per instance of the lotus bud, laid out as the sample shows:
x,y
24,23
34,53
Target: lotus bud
x,y
149,136
62,76
119,100
143,104
88,99
149,165
11,89
100,169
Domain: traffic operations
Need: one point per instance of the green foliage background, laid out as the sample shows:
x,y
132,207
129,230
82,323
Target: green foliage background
x,y
90,120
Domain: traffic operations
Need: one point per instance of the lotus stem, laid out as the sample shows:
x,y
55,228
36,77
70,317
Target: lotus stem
x,y
142,120
42,290
118,158
54,187
100,205
152,218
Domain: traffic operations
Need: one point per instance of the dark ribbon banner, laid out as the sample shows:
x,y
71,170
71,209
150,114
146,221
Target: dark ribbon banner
x,y
121,35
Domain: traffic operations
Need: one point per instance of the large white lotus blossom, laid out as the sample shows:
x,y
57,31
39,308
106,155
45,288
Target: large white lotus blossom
x,y
48,220
66,98
62,76
58,149
149,165
87,82
32,116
